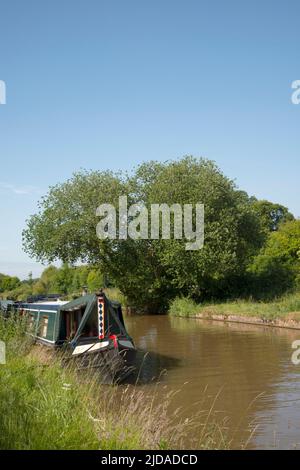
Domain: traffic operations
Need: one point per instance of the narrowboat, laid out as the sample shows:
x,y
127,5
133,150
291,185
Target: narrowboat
x,y
90,329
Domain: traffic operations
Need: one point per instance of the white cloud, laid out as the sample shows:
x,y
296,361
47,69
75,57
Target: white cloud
x,y
26,189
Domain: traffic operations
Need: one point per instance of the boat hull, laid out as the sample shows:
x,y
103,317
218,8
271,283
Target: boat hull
x,y
113,363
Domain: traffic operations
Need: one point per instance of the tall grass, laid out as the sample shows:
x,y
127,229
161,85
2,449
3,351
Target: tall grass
x,y
115,294
183,307
286,307
46,406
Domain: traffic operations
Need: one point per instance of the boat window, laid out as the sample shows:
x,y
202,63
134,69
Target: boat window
x,y
115,324
44,326
72,319
118,310
31,322
91,327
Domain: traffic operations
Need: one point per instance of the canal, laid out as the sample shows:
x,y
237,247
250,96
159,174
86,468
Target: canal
x,y
247,367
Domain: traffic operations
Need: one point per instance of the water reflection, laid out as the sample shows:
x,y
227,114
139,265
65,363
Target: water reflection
x,y
244,361
151,366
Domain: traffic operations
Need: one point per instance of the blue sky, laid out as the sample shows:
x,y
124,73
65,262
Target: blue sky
x,y
108,84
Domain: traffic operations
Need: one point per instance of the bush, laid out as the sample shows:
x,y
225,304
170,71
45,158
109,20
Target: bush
x,y
183,307
277,267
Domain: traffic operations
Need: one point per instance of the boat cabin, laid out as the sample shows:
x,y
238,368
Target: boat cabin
x,y
88,318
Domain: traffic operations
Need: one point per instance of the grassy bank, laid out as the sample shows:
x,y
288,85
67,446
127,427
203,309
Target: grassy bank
x,y
46,406
284,308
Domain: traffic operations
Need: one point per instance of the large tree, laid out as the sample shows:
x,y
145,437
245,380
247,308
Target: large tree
x,y
232,229
271,215
150,272
65,226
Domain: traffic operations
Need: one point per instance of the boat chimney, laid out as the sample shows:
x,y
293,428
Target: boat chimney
x,y
84,290
100,292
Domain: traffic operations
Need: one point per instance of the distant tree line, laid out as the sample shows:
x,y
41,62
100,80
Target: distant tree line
x,y
8,283
66,280
251,246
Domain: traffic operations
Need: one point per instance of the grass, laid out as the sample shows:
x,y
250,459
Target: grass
x,y
46,406
284,308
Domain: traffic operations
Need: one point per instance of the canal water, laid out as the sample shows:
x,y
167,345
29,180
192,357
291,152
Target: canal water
x,y
246,368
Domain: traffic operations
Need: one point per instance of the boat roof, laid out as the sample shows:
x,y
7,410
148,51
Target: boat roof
x,y
64,305
80,301
40,306
57,302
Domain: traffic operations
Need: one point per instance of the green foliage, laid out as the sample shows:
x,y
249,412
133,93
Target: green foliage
x,y
44,406
94,280
12,329
20,293
49,279
36,412
277,267
39,288
113,293
286,307
66,280
183,307
30,279
151,272
271,215
80,275
8,282
65,227
232,231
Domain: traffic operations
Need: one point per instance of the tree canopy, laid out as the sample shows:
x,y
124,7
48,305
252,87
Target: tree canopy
x,y
271,215
150,272
8,282
66,280
277,266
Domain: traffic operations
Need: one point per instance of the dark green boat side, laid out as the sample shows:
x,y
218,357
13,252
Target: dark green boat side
x,y
90,328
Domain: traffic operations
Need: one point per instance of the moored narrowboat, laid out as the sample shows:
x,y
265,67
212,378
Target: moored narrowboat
x,y
90,328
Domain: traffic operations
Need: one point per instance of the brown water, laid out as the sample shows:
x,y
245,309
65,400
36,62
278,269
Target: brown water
x,y
238,361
